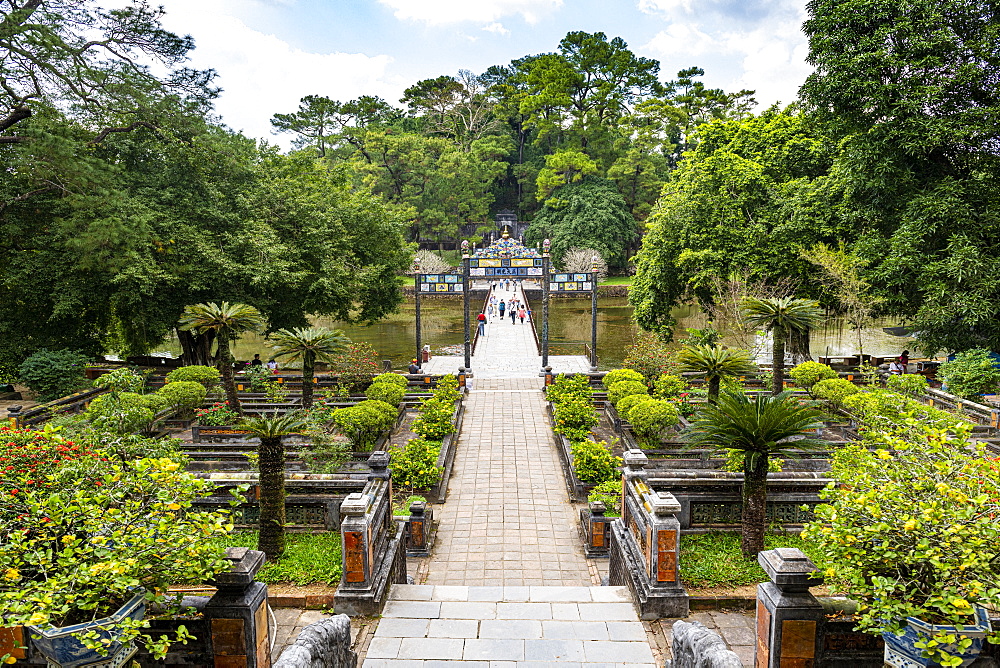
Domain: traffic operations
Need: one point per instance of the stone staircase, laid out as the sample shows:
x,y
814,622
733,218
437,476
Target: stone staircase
x,y
489,627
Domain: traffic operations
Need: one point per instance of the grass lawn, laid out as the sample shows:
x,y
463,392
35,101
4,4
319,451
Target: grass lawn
x,y
309,557
714,559
617,280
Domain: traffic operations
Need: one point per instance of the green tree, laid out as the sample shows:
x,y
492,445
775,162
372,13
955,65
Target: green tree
x,y
226,320
314,121
781,316
715,363
271,430
308,345
759,428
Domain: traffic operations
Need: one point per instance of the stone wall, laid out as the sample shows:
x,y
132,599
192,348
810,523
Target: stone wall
x,y
694,646
325,644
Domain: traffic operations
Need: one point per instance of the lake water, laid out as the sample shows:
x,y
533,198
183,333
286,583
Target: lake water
x,y
569,322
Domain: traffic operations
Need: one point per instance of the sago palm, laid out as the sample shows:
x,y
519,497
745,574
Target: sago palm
x,y
781,316
271,430
308,345
715,364
226,320
760,428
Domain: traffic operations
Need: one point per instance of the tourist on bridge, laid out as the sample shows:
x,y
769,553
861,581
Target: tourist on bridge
x,y
521,313
502,307
491,311
482,323
513,313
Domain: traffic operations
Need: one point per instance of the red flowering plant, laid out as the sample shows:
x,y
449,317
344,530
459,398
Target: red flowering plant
x,y
218,414
356,366
30,459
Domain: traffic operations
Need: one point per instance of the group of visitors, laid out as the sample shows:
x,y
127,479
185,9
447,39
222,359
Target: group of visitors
x,y
897,367
271,364
513,308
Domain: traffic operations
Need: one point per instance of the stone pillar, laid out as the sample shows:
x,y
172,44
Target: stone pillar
x,y
237,613
788,615
418,530
596,529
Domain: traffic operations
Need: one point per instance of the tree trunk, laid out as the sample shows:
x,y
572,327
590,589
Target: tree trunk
x,y
754,517
778,360
799,341
271,460
308,366
196,348
713,388
225,364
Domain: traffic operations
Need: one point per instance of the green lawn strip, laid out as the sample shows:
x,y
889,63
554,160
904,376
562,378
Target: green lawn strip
x,y
309,557
617,280
714,559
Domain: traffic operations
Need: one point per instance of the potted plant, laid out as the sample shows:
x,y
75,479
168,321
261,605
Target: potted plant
x,y
91,542
910,530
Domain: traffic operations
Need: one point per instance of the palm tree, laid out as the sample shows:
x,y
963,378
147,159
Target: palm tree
x,y
271,430
311,345
715,364
226,320
761,427
781,316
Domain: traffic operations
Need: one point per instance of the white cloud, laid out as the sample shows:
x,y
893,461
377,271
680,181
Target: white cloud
x,y
262,74
665,6
497,28
443,12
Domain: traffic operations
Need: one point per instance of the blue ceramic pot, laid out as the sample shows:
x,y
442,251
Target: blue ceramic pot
x,y
60,647
901,652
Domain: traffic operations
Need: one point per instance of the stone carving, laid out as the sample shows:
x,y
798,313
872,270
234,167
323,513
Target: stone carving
x,y
694,646
325,644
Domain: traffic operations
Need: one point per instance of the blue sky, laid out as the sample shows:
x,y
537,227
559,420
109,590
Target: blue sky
x,y
270,53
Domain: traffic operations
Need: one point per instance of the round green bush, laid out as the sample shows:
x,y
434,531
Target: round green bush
x,y
208,376
650,418
609,493
624,388
574,418
364,422
808,374
434,421
907,383
394,378
834,390
593,462
54,373
414,466
668,386
389,392
626,403
183,396
618,375
121,413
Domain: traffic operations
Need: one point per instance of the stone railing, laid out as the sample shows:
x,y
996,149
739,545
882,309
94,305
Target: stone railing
x,y
74,403
645,545
325,644
374,545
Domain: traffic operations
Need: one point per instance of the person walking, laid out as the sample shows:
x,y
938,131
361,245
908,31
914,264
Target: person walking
x,y
482,323
491,311
521,313
501,308
513,314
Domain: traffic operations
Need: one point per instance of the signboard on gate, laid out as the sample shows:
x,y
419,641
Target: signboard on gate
x,y
488,267
440,283
571,282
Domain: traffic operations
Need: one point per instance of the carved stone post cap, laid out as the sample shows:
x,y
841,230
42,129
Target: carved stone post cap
x,y
378,462
597,508
635,460
664,503
354,505
243,566
789,568
418,508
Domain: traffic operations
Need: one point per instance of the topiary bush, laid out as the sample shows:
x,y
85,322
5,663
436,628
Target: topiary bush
x,y
626,403
184,396
808,374
624,388
593,462
907,383
668,386
434,421
364,422
54,373
574,418
971,374
834,390
414,466
208,376
618,375
389,392
394,378
649,419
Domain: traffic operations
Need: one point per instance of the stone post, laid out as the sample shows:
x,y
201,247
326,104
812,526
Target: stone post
x,y
788,615
597,530
237,613
417,544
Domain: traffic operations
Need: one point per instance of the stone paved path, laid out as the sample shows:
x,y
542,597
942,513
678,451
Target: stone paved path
x,y
490,627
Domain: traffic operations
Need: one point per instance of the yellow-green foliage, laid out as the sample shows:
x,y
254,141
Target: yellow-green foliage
x,y
650,418
618,375
624,388
593,462
625,404
808,374
834,390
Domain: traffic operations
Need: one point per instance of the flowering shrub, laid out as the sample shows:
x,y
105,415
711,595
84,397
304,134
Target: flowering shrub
x,y
356,366
29,458
434,421
218,414
593,462
574,418
447,389
609,493
912,531
566,387
808,374
886,412
414,465
624,388
649,357
618,375
668,386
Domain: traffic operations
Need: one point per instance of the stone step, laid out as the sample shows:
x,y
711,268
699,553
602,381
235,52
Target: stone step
x,y
431,625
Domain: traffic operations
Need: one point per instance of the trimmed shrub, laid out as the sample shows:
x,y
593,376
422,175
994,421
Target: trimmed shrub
x,y
624,388
54,373
907,383
121,413
414,465
394,378
668,386
389,392
808,374
364,422
434,421
627,403
618,375
566,387
208,376
574,418
184,396
834,390
650,418
593,462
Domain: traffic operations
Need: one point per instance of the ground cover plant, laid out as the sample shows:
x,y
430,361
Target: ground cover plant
x,y
714,559
309,558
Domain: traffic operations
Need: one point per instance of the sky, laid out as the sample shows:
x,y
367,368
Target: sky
x,y
270,53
